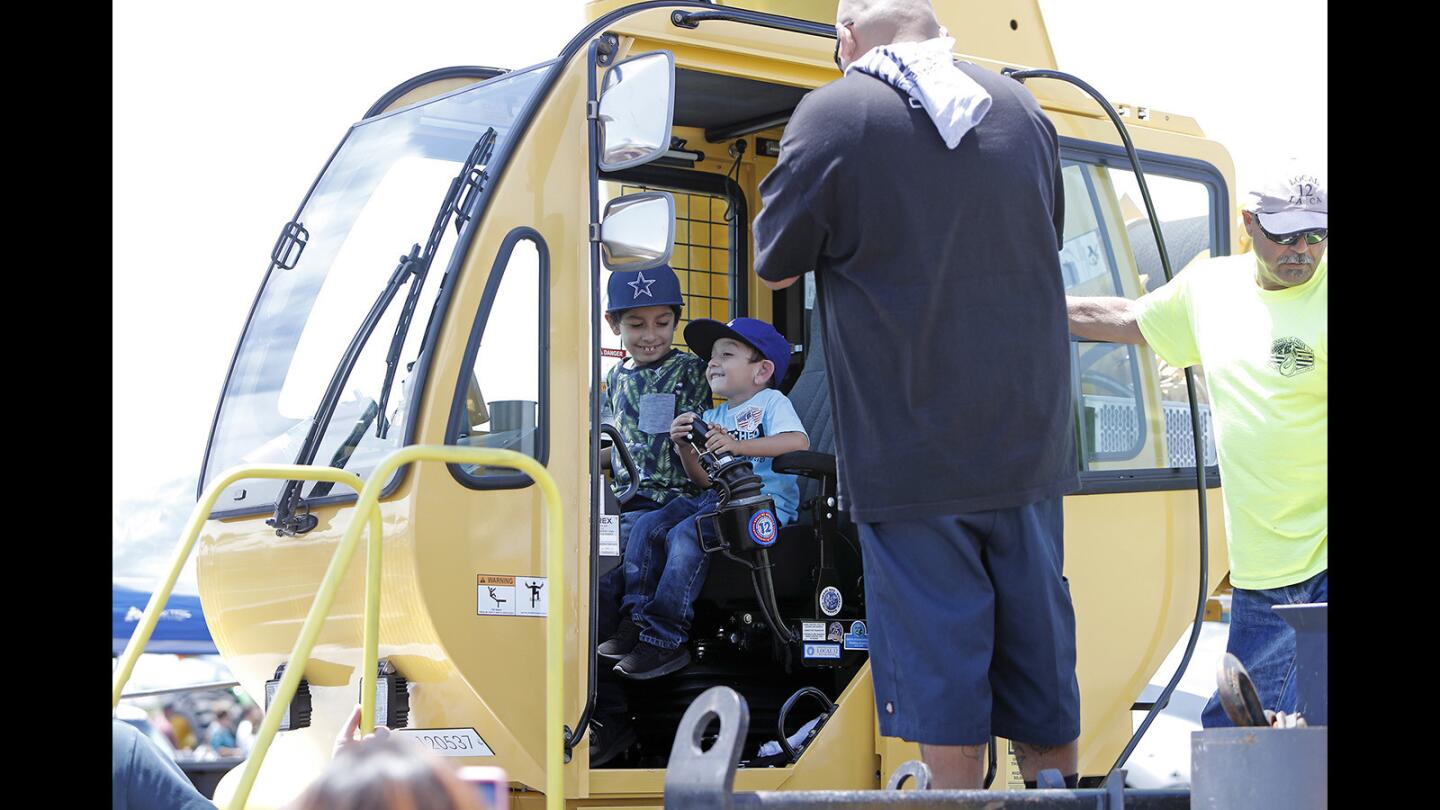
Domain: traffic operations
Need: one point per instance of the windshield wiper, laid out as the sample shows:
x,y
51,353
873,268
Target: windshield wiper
x,y
463,191
459,198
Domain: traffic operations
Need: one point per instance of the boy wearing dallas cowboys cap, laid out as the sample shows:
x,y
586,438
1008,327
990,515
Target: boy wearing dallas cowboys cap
x,y
644,392
653,384
664,564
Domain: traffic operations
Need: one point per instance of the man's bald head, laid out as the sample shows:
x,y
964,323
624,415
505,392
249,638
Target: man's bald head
x,y
889,21
865,24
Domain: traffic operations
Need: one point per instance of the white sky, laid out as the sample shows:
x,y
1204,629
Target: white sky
x,y
223,115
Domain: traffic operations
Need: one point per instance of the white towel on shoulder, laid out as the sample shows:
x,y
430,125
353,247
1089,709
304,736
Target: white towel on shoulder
x,y
926,72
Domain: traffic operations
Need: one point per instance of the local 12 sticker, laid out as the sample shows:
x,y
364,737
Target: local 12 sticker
x,y
763,527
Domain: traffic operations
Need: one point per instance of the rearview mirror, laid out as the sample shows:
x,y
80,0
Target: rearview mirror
x,y
638,231
637,106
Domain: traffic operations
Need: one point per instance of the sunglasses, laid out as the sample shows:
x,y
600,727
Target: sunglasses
x,y
839,66
1312,237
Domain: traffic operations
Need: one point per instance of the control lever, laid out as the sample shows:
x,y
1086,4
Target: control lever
x,y
744,522
733,476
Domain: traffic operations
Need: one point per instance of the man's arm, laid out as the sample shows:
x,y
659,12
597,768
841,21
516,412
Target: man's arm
x,y
799,195
1108,319
781,284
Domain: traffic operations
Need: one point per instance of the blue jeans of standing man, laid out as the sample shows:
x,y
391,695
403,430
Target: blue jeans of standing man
x,y
1265,644
664,569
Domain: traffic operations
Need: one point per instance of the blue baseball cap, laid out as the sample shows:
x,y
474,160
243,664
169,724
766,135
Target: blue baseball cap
x,y
657,286
701,335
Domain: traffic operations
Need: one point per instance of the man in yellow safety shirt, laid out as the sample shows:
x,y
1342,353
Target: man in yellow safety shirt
x,y
1258,324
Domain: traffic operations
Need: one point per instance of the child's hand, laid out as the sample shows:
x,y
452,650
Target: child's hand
x,y
721,441
680,428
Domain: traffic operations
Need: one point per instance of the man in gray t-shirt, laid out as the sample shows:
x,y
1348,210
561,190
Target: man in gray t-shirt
x,y
927,197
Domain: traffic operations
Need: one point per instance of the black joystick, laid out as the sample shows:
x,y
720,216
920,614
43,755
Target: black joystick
x,y
733,476
744,521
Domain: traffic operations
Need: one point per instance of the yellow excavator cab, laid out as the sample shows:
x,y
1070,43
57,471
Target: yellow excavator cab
x,y
442,283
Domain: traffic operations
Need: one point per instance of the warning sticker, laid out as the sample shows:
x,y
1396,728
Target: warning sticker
x,y
609,535
812,631
822,651
495,596
533,597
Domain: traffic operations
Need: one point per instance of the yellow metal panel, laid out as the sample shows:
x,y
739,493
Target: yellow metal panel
x,y
1133,564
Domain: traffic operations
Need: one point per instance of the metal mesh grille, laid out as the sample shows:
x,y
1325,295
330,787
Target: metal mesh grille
x,y
1117,429
1180,435
701,258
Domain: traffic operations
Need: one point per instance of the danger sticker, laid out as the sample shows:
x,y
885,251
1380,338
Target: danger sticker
x,y
812,631
822,651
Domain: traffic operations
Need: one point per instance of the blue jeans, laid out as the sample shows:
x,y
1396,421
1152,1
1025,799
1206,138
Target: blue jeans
x,y
610,703
664,569
1265,644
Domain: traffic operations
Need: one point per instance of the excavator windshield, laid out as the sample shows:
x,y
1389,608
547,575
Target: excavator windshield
x,y
327,344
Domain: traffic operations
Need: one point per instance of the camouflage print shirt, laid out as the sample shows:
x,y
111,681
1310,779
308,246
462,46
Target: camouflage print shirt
x,y
644,402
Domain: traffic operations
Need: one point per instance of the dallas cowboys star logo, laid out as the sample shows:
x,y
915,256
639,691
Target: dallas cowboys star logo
x,y
642,280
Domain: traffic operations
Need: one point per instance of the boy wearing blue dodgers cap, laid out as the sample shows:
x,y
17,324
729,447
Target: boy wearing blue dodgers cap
x,y
664,564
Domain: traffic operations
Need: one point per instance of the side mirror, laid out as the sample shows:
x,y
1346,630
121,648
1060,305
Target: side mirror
x,y
637,107
637,231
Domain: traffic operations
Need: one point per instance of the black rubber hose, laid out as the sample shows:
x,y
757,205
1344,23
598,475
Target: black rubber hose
x,y
804,691
1164,699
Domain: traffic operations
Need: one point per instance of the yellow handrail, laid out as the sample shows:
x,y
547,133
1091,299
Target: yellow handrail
x,y
198,515
367,505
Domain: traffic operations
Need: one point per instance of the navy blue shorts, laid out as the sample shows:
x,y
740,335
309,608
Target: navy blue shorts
x,y
971,628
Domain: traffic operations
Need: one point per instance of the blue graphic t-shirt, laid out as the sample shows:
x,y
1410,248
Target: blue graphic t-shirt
x,y
768,413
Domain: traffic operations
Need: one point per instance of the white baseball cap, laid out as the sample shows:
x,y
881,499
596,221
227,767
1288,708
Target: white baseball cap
x,y
1294,201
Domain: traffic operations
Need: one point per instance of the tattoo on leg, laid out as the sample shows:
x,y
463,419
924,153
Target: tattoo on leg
x,y
972,751
1037,750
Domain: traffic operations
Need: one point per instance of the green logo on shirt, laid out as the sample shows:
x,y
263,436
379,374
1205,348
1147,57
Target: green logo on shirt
x,y
1290,356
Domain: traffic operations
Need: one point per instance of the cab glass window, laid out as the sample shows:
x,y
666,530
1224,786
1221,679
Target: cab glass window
x,y
1133,409
501,397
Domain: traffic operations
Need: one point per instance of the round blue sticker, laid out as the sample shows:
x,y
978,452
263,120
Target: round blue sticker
x,y
763,527
830,601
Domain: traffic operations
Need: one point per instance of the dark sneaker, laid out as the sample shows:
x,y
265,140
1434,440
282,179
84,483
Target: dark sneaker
x,y
626,636
647,661
609,739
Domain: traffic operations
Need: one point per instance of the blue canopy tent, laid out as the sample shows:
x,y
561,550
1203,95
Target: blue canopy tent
x,y
181,629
